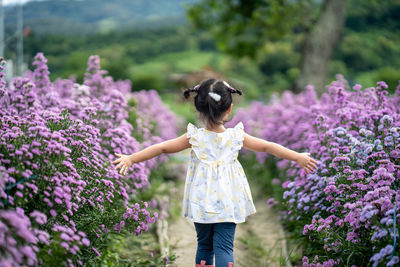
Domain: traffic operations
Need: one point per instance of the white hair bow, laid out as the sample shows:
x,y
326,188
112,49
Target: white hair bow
x,y
215,96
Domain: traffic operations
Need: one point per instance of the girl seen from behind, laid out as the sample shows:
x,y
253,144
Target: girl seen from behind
x,y
217,194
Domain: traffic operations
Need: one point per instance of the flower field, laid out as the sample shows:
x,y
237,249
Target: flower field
x,y
347,213
60,196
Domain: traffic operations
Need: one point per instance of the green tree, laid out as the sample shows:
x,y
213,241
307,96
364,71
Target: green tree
x,y
242,27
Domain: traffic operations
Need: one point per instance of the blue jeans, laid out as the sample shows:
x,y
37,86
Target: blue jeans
x,y
215,238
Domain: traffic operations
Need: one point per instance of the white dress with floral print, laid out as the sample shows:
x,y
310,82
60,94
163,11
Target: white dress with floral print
x,y
216,188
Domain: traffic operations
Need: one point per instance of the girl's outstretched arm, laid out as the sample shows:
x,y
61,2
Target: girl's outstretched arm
x,y
170,146
260,145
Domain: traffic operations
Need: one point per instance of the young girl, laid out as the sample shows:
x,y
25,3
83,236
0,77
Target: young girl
x,y
217,195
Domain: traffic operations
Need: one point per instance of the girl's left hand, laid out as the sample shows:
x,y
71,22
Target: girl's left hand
x,y
125,161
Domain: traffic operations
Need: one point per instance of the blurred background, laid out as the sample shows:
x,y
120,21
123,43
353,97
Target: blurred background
x,y
262,47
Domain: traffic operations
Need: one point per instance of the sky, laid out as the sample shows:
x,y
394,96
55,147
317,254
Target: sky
x,y
7,2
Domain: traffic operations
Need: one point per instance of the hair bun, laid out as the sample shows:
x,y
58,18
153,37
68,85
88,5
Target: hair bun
x,y
238,91
186,93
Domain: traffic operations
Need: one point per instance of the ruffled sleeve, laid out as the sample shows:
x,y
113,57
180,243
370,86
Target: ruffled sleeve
x,y
192,134
238,135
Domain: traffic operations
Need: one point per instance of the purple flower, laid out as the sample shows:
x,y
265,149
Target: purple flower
x,y
96,251
393,261
53,213
39,217
85,242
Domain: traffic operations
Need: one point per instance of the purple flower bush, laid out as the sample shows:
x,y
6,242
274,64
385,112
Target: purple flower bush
x,y
348,211
154,121
59,194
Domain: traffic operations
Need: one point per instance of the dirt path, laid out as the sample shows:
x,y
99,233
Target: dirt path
x,y
258,241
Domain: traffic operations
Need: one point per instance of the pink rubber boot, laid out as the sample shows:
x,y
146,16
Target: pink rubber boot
x,y
203,264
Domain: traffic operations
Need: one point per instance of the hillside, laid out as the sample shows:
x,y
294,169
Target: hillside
x,y
80,17
367,51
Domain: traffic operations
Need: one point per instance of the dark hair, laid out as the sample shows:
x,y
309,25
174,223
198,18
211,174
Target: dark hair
x,y
208,107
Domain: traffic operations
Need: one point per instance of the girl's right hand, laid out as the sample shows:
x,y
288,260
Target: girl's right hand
x,y
307,163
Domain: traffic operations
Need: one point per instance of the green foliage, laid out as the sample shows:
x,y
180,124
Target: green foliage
x,y
257,255
130,250
367,50
368,57
155,72
361,59
262,175
76,63
242,27
278,57
114,59
119,50
146,81
180,106
384,15
264,29
389,74
335,67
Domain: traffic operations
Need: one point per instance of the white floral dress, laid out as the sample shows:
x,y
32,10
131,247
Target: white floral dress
x,y
216,187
